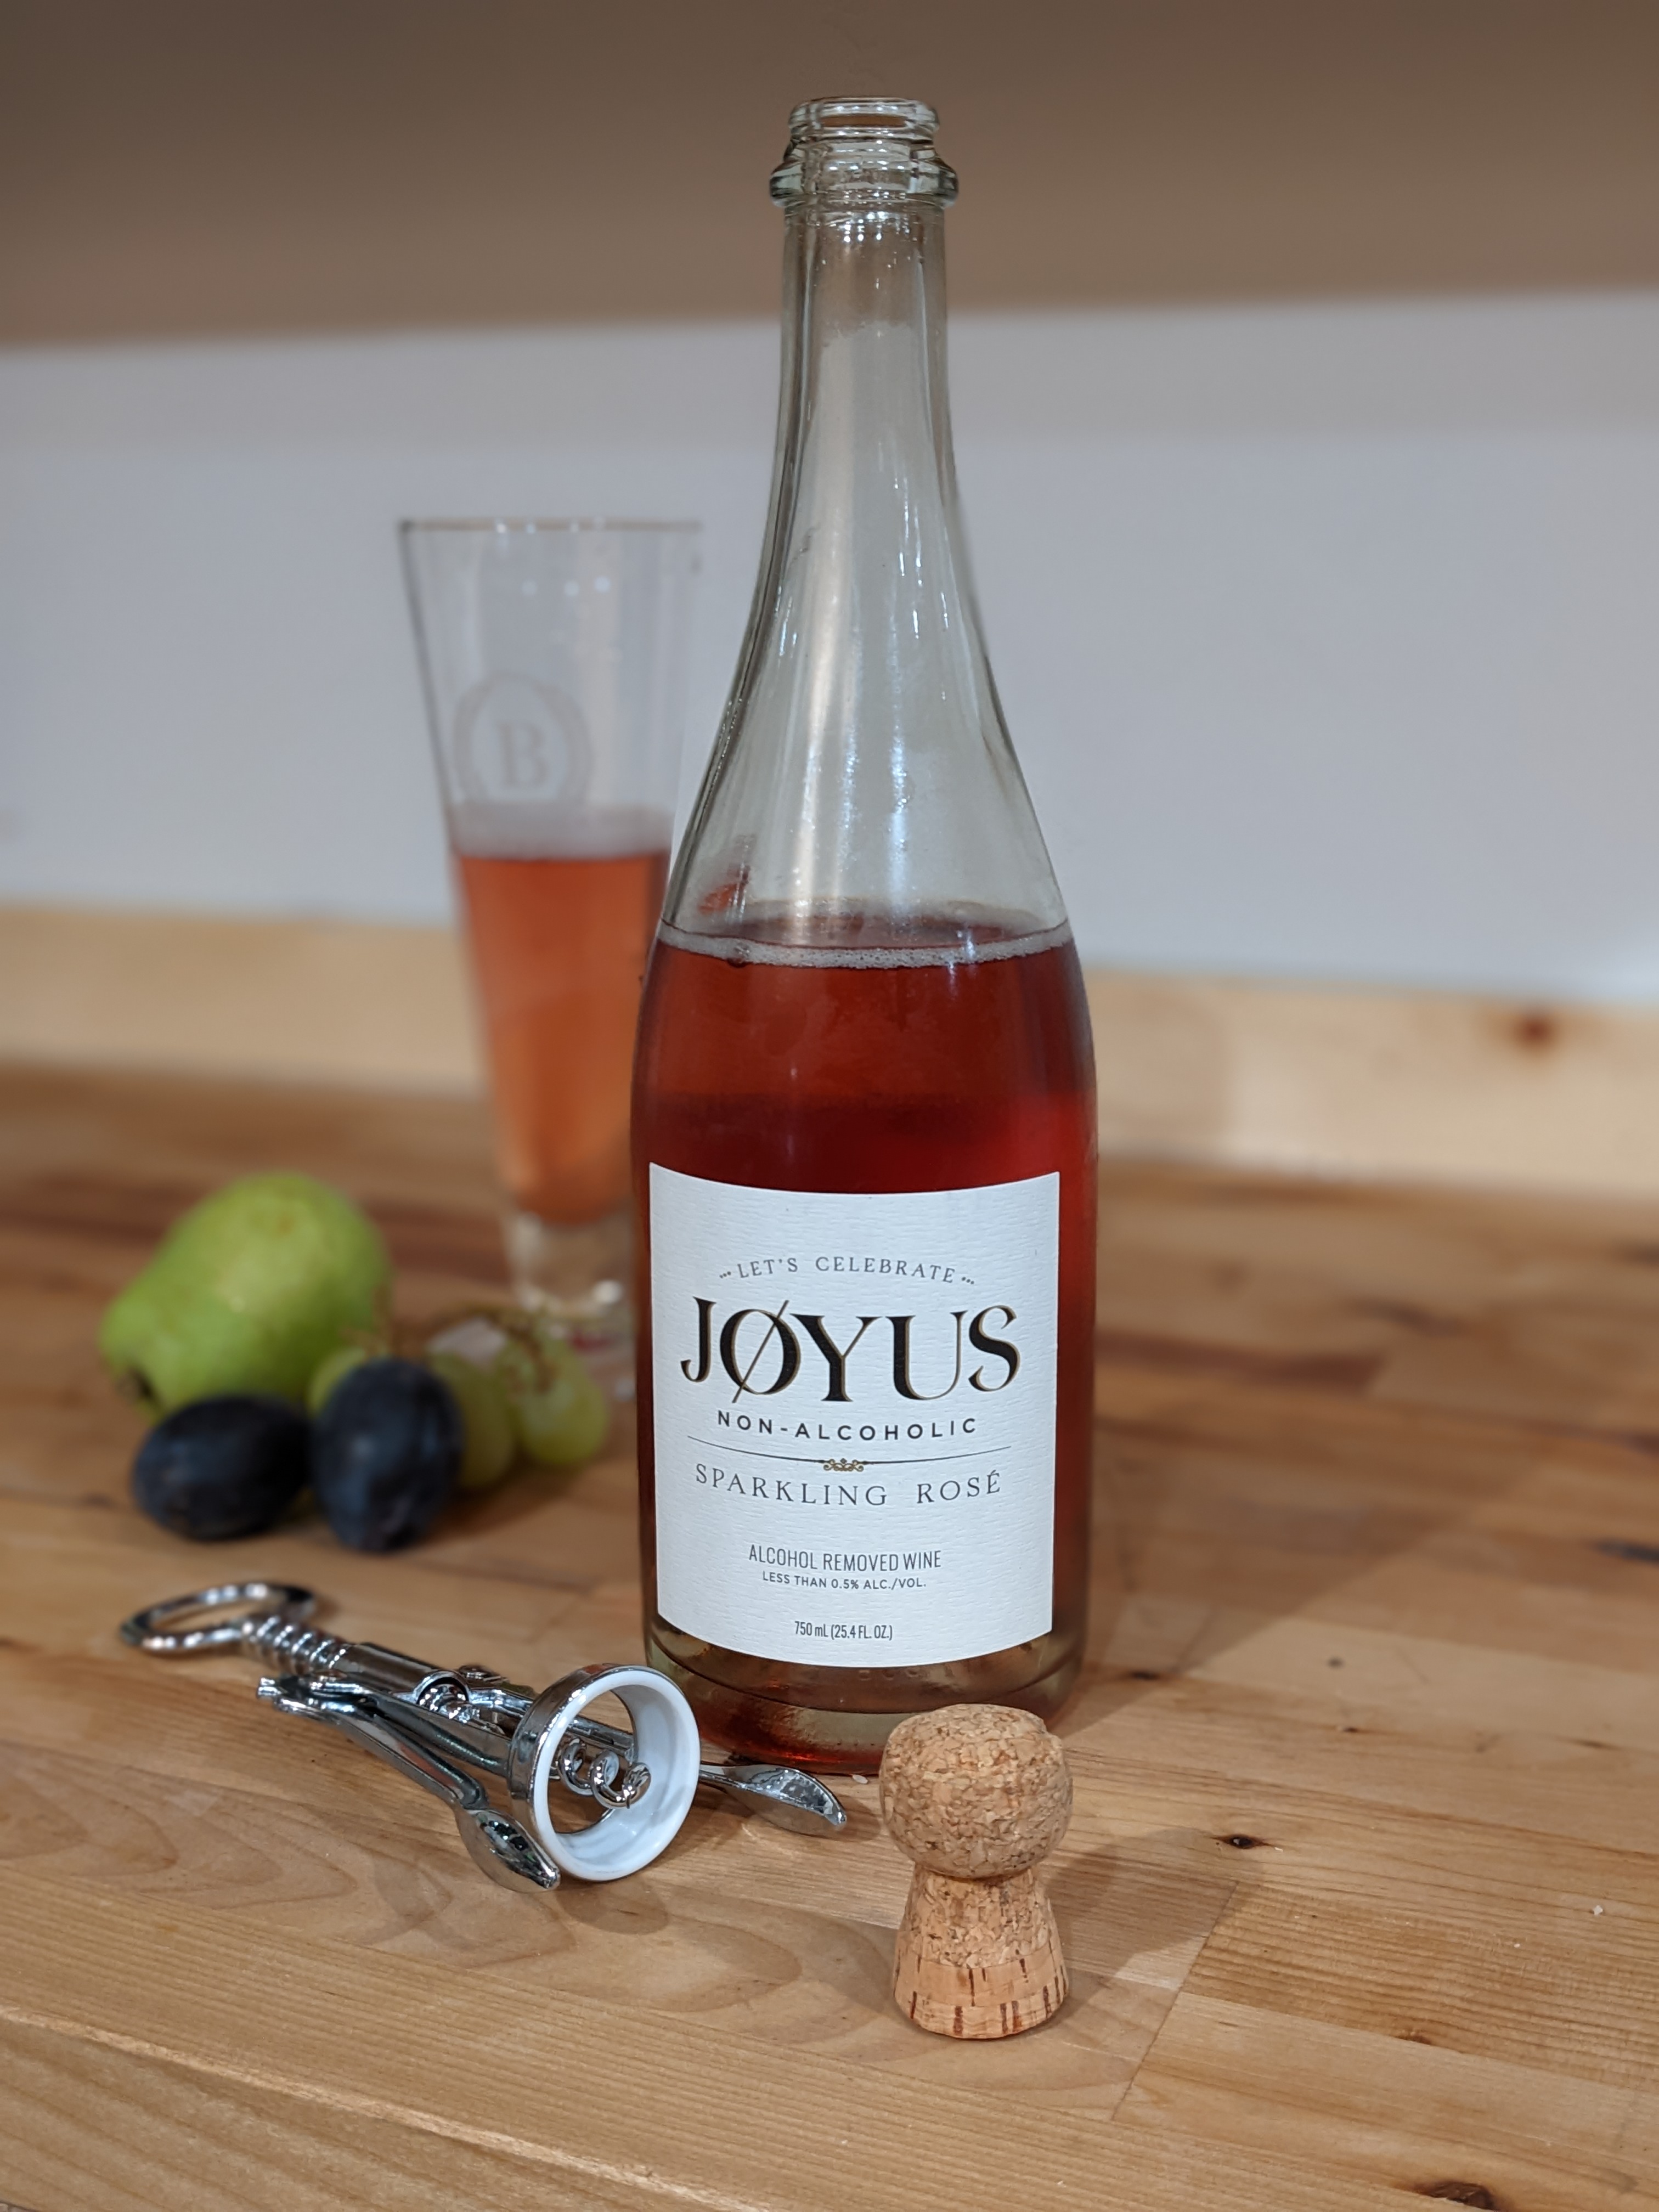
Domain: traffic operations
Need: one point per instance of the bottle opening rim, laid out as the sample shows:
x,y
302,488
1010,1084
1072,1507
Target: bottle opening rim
x,y
876,117
862,153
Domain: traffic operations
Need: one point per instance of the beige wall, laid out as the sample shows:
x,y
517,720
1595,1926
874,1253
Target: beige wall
x,y
183,165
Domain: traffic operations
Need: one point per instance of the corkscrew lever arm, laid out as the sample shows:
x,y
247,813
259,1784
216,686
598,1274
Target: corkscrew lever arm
x,y
507,1853
786,1796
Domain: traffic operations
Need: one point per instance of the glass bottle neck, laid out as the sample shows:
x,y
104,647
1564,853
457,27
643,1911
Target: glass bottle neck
x,y
862,787
864,443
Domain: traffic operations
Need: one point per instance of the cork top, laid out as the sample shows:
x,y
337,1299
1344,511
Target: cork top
x,y
975,1791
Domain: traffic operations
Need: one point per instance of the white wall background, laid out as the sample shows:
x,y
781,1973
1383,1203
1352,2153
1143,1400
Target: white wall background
x,y
1328,635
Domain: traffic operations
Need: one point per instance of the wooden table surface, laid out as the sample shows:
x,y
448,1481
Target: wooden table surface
x,y
1359,1899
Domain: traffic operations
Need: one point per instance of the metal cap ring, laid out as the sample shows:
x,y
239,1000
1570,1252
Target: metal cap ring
x,y
147,1629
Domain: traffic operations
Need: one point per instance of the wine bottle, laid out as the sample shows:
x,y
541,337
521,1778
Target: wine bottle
x,y
863,1122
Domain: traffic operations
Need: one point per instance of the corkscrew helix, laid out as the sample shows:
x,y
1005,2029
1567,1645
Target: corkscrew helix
x,y
501,1756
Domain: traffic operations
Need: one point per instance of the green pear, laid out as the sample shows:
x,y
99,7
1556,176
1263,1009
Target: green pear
x,y
248,1291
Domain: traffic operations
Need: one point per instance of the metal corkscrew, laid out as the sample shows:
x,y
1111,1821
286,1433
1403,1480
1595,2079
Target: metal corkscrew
x,y
503,1757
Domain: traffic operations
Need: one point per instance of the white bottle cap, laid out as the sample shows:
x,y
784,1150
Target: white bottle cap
x,y
627,1836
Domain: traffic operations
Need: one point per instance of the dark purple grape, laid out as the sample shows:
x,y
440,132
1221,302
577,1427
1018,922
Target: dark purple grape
x,y
385,1452
223,1466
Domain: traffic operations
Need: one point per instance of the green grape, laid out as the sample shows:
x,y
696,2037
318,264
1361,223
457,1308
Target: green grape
x,y
492,1443
560,1413
331,1371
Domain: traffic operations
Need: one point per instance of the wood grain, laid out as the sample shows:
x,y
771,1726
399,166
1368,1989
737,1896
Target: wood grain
x,y
1360,1898
340,1001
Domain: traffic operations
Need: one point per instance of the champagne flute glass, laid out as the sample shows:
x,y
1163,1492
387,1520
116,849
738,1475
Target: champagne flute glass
x,y
554,657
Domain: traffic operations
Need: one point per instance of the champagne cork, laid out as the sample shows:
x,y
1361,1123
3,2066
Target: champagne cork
x,y
977,1796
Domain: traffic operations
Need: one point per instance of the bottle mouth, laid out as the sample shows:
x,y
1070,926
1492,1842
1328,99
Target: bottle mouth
x,y
863,153
912,119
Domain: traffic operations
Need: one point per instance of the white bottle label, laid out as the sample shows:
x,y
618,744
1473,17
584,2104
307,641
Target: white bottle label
x,y
854,1418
